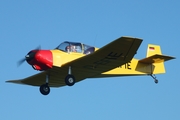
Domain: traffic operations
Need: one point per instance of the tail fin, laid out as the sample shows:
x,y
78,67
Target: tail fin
x,y
153,49
155,57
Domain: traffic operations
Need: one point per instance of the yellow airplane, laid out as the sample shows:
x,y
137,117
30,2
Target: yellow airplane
x,y
72,62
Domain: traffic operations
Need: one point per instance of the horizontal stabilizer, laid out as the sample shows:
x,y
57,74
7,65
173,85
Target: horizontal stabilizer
x,y
156,59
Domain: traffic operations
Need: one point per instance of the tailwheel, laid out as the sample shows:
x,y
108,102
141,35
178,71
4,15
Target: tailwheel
x,y
154,77
70,80
156,81
44,89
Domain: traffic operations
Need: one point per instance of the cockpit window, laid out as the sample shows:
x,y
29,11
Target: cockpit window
x,y
70,47
62,46
75,47
88,49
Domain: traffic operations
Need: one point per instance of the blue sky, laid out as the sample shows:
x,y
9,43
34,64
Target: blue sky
x,y
25,24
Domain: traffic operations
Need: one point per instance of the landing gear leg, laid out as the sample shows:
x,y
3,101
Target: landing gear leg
x,y
154,77
45,89
70,79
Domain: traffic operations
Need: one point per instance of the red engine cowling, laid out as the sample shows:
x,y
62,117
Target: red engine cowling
x,y
40,59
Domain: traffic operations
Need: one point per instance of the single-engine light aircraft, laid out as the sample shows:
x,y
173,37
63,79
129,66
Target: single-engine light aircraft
x,y
71,62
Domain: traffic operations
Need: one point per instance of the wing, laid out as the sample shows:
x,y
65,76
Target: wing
x,y
114,54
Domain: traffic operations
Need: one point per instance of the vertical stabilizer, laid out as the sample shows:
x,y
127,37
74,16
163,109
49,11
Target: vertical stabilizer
x,y
153,49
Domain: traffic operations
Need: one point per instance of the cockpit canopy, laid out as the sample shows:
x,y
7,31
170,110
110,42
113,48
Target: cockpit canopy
x,y
75,47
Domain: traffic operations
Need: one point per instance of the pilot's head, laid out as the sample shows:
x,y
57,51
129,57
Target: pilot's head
x,y
71,48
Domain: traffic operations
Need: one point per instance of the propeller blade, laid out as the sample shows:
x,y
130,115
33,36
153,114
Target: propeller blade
x,y
38,48
21,62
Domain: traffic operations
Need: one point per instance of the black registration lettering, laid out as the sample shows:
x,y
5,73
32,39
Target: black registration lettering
x,y
126,66
114,56
104,61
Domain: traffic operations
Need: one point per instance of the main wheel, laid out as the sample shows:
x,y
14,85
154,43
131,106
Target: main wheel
x,y
44,89
70,80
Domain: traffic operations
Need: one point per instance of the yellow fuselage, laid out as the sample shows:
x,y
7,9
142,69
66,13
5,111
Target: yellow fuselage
x,y
134,67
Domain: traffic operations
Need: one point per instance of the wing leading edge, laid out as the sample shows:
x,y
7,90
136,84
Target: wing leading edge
x,y
112,55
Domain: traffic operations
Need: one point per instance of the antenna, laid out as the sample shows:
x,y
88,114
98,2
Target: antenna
x,y
95,40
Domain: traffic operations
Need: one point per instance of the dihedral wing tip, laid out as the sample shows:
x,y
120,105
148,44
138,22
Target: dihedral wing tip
x,y
15,81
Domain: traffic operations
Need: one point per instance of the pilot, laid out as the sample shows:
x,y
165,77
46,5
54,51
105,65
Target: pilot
x,y
71,48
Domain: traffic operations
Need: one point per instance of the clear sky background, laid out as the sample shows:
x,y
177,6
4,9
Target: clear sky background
x,y
26,24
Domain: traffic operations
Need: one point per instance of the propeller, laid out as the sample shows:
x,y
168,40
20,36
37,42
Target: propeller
x,y
29,56
21,62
